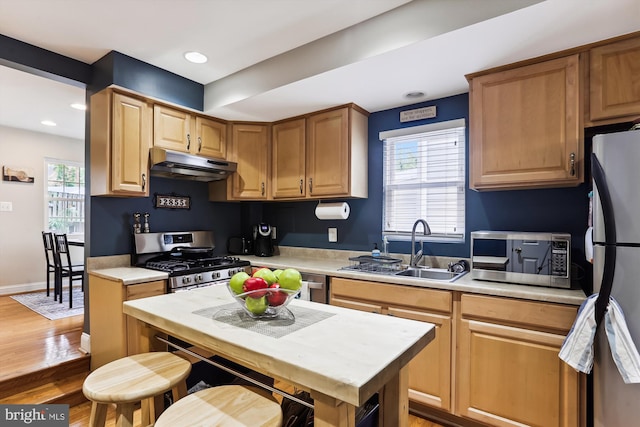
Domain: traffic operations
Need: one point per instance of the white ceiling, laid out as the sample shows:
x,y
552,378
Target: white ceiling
x,y
271,59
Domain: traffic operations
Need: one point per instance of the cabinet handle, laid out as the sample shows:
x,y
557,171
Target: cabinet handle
x,y
310,185
301,186
199,144
188,142
572,164
262,192
144,181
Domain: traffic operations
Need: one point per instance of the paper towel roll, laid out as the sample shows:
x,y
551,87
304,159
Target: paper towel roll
x,y
332,210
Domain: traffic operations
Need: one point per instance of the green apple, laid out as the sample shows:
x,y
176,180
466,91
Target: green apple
x,y
237,280
256,305
290,279
266,274
277,273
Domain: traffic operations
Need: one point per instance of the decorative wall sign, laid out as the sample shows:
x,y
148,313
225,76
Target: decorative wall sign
x,y
418,114
171,201
10,173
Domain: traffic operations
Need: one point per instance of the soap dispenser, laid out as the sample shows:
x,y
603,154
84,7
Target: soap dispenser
x,y
375,252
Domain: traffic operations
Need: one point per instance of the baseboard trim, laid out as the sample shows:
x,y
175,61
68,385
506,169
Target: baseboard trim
x,y
24,287
85,343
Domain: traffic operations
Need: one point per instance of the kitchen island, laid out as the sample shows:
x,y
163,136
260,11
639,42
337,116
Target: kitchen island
x,y
341,356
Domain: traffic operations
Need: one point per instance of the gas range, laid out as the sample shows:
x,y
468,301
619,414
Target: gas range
x,y
187,257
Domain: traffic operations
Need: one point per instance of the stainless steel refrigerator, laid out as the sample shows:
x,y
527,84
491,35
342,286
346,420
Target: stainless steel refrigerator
x,y
616,219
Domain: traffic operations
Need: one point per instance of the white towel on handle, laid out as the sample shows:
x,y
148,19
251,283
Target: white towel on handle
x,y
577,349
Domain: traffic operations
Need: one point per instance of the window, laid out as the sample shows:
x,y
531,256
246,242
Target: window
x,y
65,196
424,177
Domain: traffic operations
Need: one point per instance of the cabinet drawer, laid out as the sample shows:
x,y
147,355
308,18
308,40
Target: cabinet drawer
x,y
144,290
545,316
396,295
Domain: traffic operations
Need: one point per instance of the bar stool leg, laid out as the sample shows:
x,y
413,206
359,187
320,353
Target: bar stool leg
x,y
98,415
147,412
124,415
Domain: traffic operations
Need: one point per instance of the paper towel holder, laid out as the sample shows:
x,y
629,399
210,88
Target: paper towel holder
x,y
332,211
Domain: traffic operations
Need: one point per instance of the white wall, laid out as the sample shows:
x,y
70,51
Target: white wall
x,y
22,263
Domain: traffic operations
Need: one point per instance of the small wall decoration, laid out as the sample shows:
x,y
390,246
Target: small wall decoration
x,y
17,174
171,201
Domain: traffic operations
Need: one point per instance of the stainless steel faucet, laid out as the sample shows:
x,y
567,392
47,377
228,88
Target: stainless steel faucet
x,y
415,257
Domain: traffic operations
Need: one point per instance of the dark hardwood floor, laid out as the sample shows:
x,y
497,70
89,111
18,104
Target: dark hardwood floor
x,y
30,342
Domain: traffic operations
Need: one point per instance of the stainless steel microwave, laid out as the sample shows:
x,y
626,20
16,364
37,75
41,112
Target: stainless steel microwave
x,y
540,259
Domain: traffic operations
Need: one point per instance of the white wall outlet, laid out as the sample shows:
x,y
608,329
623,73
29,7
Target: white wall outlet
x,y
6,206
333,235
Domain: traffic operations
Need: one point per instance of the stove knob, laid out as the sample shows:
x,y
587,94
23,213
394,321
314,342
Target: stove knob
x,y
198,277
217,275
186,280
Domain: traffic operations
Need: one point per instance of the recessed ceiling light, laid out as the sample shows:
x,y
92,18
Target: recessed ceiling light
x,y
195,57
414,94
48,123
79,106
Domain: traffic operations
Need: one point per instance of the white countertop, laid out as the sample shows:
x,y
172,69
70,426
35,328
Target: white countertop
x,y
130,275
349,355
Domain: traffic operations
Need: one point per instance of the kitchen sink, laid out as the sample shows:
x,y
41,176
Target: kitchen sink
x,y
431,274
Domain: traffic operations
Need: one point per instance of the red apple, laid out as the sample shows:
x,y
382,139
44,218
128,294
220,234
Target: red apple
x,y
254,284
275,296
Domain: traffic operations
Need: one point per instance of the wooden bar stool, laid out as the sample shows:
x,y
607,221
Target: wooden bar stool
x,y
223,406
132,379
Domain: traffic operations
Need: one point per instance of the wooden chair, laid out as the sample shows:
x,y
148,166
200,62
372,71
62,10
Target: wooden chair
x,y
50,258
223,406
65,267
133,379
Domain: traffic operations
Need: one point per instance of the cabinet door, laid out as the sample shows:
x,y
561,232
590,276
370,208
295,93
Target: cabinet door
x,y
328,154
211,138
131,136
613,80
526,128
251,150
288,151
430,370
509,372
132,292
171,128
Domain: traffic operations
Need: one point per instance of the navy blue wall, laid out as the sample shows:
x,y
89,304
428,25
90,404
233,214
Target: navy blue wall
x,y
559,210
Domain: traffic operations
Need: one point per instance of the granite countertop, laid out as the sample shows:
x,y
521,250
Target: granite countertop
x,y
330,265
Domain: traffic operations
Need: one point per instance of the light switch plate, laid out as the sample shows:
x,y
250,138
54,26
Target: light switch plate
x,y
6,206
333,235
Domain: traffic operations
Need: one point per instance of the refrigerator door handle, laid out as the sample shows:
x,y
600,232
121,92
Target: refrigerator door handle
x,y
608,217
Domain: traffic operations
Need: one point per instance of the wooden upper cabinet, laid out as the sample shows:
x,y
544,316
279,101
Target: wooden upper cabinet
x,y
288,159
336,158
250,145
526,127
120,141
211,138
171,128
614,80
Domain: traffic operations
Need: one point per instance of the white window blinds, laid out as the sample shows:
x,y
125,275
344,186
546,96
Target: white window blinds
x,y
424,177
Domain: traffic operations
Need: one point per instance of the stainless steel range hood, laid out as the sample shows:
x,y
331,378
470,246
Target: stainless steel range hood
x,y
173,164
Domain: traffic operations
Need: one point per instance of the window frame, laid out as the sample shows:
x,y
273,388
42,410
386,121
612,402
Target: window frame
x,y
458,126
48,200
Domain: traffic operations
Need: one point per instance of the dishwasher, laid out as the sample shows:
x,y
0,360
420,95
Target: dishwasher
x,y
314,288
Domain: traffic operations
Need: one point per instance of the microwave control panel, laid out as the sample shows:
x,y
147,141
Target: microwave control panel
x,y
559,258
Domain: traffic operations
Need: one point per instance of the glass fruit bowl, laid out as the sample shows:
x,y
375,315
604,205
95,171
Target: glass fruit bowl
x,y
264,303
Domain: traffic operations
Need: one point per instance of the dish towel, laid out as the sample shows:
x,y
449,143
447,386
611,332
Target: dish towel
x,y
577,348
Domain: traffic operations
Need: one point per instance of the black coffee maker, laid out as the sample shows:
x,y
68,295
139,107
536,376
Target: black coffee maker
x,y
263,240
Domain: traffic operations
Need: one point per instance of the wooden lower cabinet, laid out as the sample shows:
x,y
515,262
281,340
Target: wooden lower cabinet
x,y
430,370
509,372
108,326
494,360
